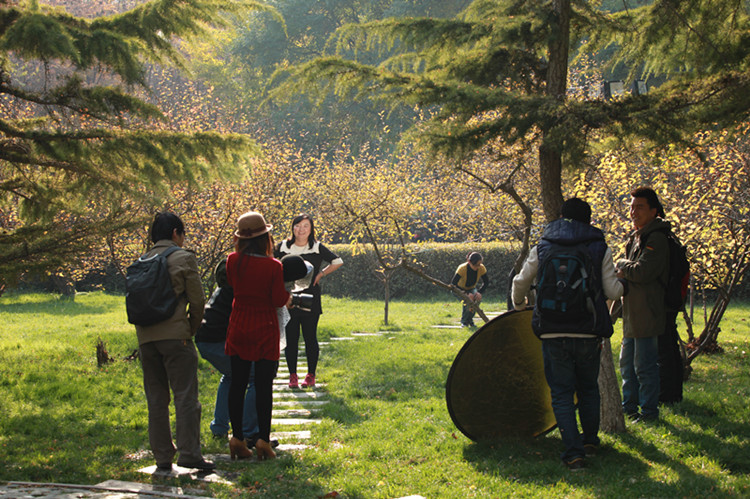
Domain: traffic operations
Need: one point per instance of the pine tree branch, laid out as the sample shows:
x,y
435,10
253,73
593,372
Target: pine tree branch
x,y
105,104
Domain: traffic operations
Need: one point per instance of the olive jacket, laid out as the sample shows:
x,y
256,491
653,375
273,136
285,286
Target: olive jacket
x,y
186,281
647,272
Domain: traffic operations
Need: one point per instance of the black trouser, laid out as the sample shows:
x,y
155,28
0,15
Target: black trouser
x,y
671,368
265,371
309,325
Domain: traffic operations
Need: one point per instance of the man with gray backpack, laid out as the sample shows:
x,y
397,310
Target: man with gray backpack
x,y
574,275
167,308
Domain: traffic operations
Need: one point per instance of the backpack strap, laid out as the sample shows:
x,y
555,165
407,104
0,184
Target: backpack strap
x,y
164,253
170,250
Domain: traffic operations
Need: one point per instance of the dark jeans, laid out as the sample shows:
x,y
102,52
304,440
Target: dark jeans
x,y
639,368
571,366
308,323
214,353
265,371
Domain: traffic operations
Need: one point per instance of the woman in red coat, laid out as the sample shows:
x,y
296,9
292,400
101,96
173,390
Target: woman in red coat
x,y
253,334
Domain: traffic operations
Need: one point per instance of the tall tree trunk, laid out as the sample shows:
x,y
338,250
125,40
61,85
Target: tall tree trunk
x,y
550,154
550,177
559,47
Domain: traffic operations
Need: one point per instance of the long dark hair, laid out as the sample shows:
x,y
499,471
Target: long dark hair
x,y
298,219
260,245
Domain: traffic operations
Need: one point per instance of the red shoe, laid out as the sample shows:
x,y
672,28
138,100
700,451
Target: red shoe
x,y
293,381
309,381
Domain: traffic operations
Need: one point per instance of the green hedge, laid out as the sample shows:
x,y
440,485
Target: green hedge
x,y
357,277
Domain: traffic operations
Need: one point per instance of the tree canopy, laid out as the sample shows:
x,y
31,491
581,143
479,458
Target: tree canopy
x,y
80,144
499,70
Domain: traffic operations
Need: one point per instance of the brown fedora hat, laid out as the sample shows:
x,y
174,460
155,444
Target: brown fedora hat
x,y
251,224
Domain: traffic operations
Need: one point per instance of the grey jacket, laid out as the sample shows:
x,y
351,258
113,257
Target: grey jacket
x,y
186,281
646,269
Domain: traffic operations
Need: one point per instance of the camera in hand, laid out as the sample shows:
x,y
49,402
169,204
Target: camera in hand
x,y
303,301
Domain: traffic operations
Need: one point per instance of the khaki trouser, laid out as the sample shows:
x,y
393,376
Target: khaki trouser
x,y
172,363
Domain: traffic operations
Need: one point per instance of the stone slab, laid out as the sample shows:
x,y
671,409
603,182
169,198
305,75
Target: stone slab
x,y
291,413
291,435
194,474
110,489
300,403
145,489
285,391
219,459
294,421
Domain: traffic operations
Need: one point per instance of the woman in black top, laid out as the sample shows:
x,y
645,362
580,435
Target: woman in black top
x,y
324,261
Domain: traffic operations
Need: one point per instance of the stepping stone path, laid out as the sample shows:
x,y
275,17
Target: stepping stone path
x,y
293,415
111,489
295,407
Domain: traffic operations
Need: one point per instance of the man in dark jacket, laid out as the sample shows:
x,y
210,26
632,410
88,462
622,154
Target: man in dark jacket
x,y
644,314
571,350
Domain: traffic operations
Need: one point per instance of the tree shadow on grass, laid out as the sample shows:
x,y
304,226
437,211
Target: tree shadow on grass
x,y
724,440
67,448
611,473
72,449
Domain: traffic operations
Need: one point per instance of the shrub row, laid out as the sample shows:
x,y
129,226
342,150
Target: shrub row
x,y
358,277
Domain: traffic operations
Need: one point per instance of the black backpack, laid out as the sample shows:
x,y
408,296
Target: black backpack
x,y
676,287
150,297
566,290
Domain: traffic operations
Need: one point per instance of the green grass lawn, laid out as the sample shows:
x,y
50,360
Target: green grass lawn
x,y
386,432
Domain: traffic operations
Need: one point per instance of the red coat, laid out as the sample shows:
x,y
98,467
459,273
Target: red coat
x,y
258,284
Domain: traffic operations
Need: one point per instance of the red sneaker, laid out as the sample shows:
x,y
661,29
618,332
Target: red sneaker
x,y
309,381
293,381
